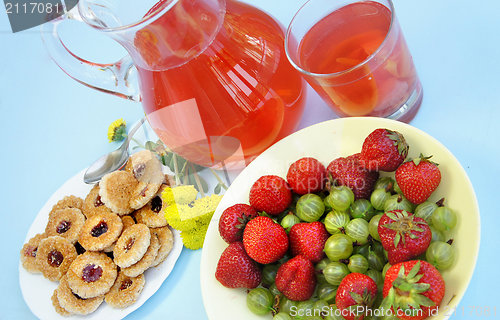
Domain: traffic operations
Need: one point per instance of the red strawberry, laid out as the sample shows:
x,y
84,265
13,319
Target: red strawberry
x,y
306,175
418,179
403,235
296,279
235,269
349,172
383,150
358,290
233,220
308,239
415,286
265,241
270,194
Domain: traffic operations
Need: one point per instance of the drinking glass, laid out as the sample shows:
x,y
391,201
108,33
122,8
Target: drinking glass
x,y
354,55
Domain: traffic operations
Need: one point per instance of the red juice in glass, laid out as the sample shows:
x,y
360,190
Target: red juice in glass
x,y
356,58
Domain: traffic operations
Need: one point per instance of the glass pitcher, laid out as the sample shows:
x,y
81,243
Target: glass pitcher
x,y
213,77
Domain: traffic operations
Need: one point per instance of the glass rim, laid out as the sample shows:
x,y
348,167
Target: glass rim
x,y
144,20
342,72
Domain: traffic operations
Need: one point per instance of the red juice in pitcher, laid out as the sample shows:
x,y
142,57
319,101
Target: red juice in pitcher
x,y
228,101
340,47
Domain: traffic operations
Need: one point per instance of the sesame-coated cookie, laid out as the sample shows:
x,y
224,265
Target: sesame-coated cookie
x,y
65,223
116,189
100,231
54,256
166,239
92,274
29,251
132,245
125,291
146,261
74,303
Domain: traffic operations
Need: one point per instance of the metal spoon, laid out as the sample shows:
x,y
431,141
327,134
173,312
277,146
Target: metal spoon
x,y
112,161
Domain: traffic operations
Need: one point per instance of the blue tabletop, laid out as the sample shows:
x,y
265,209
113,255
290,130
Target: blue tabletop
x,y
53,127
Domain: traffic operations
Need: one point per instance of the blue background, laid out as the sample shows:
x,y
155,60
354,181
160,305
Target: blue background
x,y
52,127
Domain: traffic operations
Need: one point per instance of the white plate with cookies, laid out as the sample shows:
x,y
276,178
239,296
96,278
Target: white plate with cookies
x,y
37,290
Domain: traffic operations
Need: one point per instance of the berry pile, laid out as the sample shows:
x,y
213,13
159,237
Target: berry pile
x,y
358,239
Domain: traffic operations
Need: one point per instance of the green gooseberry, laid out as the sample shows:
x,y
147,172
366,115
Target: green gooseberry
x,y
378,198
310,207
444,219
336,221
340,198
398,202
362,208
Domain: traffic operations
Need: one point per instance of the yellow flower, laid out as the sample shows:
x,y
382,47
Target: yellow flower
x,y
189,215
184,217
180,195
117,130
193,239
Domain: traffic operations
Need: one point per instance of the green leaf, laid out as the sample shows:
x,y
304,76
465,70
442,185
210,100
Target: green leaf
x,y
217,188
401,284
414,304
421,287
411,235
391,226
150,145
403,304
416,278
418,229
401,273
356,297
204,184
397,238
392,215
388,301
414,271
423,300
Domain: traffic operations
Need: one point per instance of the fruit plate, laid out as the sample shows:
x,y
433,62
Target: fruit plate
x,y
37,291
327,141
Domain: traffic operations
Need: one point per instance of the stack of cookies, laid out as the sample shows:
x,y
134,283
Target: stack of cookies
x,y
99,248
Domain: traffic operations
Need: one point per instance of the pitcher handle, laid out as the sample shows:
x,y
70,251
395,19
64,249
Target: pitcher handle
x,y
114,78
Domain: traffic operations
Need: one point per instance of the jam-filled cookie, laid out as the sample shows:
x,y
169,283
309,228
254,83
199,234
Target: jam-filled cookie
x,y
143,193
125,291
74,303
145,167
57,305
151,214
54,256
29,251
132,245
65,223
127,221
92,274
147,260
166,239
67,202
93,203
100,231
116,189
